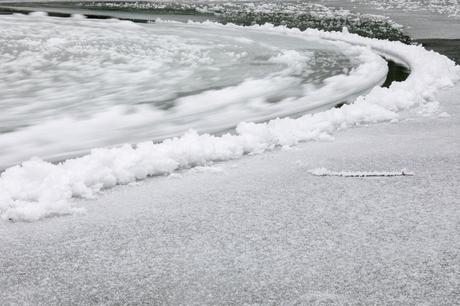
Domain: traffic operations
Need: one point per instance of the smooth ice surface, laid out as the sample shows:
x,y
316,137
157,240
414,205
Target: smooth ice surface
x,y
102,83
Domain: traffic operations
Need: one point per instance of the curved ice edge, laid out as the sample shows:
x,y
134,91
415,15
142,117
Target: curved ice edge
x,y
38,189
18,145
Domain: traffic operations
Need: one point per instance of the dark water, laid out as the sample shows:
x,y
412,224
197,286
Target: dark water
x,y
396,73
448,47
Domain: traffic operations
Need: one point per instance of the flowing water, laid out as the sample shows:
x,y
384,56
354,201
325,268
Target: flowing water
x,y
71,84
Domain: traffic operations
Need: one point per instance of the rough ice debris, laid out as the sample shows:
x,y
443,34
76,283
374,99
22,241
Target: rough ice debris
x,y
326,172
37,189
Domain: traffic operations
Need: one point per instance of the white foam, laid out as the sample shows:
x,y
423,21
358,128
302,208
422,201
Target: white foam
x,y
103,83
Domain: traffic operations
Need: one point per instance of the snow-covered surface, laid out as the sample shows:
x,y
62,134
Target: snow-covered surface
x,y
38,189
109,82
263,231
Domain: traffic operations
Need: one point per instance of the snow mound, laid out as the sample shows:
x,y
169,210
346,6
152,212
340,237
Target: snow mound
x,y
37,189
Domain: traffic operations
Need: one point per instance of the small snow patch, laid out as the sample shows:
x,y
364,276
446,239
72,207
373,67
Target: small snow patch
x,y
444,115
207,169
175,176
38,14
429,109
326,172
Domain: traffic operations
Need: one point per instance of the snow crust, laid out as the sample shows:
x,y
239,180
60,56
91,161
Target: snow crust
x,y
37,189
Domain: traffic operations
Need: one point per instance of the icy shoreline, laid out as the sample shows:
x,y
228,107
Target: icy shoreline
x,y
37,189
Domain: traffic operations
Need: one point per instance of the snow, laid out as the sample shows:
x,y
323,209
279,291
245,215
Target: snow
x,y
444,115
326,172
37,189
267,232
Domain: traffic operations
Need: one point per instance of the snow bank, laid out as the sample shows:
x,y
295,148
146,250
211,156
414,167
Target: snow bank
x,y
38,189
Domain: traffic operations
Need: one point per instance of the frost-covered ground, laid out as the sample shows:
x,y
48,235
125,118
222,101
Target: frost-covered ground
x,y
262,229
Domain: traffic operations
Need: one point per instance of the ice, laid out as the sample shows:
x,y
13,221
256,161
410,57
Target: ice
x,y
421,18
104,83
444,115
326,172
208,169
37,189
267,233
450,8
329,16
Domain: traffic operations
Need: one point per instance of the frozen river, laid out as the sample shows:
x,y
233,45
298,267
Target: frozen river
x,y
256,231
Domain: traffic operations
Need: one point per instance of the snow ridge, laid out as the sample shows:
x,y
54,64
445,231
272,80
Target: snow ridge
x,y
37,189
